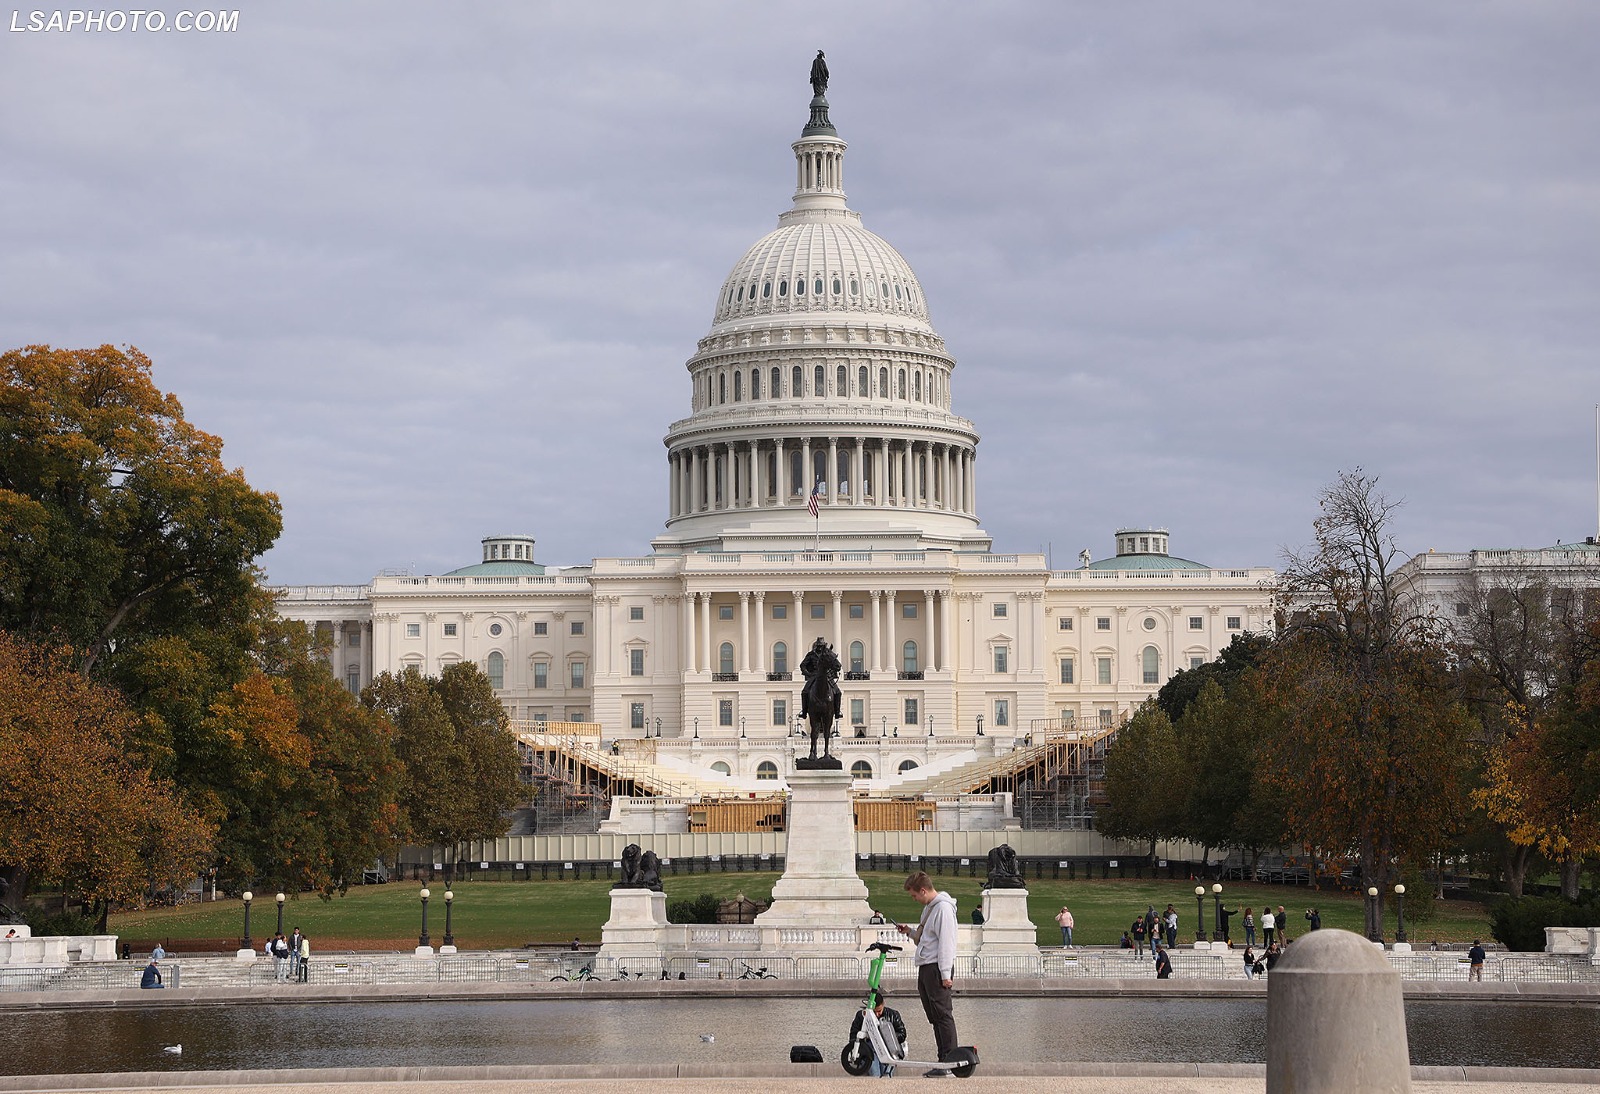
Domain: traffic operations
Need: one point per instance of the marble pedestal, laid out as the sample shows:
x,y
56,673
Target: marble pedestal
x,y
1006,926
820,902
638,921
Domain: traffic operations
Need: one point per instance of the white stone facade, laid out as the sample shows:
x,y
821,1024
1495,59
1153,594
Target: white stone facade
x,y
821,378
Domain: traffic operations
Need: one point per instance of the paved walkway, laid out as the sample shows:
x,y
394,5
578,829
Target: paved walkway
x,y
1116,1079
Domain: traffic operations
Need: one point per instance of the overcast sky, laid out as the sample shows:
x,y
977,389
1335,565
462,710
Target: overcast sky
x,y
432,271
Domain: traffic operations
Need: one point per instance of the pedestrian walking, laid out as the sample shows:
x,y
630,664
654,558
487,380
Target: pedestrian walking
x,y
1283,925
1163,963
280,959
305,959
1172,926
1475,959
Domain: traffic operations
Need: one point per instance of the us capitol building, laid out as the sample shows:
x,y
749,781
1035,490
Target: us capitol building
x,y
820,386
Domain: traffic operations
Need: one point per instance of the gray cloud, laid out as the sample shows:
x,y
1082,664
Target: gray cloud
x,y
433,272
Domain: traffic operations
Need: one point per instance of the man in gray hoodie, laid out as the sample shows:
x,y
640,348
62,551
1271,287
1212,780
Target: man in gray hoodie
x,y
935,958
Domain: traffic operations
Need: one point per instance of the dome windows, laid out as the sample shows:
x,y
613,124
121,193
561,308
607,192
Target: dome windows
x,y
837,287
797,380
800,286
819,382
766,290
884,285
855,287
777,382
842,381
783,288
897,292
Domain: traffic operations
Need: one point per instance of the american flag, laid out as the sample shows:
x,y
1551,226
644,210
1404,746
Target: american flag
x,y
811,502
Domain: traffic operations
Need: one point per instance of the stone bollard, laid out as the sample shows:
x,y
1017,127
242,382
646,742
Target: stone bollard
x,y
1335,1019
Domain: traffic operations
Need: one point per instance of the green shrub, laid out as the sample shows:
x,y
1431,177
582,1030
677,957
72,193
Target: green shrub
x,y
1520,923
60,923
700,909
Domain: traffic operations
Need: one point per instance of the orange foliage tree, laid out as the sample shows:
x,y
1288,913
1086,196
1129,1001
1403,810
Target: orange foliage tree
x,y
80,812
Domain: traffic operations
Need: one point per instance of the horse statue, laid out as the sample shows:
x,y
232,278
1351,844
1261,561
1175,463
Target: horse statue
x,y
819,702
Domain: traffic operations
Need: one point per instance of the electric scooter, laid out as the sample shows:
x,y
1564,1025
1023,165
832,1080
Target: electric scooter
x,y
857,1059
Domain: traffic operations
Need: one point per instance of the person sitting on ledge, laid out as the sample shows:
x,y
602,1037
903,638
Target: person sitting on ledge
x,y
152,975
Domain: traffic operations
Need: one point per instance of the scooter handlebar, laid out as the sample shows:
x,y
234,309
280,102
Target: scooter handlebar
x,y
884,947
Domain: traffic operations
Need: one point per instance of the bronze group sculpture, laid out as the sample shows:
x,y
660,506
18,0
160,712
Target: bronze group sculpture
x,y
820,700
640,870
1003,871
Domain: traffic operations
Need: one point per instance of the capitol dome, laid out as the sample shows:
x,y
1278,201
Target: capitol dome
x,y
821,396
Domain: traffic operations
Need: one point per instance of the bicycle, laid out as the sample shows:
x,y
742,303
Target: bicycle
x,y
585,973
755,974
855,1058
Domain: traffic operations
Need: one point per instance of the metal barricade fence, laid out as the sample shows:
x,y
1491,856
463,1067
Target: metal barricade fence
x,y
326,971
1544,969
849,967
122,974
1008,965
467,970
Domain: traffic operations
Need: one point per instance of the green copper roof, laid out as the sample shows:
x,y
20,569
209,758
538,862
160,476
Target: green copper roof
x,y
500,568
1145,562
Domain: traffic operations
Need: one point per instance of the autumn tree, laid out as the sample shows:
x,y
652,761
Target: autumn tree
x,y
460,762
121,519
1374,762
81,813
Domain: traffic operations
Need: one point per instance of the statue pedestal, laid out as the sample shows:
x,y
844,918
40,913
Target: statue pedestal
x,y
1006,926
820,902
635,929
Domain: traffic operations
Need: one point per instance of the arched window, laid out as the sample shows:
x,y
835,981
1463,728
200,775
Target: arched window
x,y
721,768
766,290
819,468
836,286
862,388
783,287
797,473
1152,665
800,286
900,386
797,381
841,382
861,769
916,387
738,387
883,383
908,657
843,476
907,765
496,670
767,771
722,387
755,383
855,287
777,383
857,657
725,657
780,657
819,382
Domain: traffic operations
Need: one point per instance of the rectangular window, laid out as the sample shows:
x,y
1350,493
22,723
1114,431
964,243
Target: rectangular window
x,y
724,611
724,712
780,712
1064,623
636,715
577,674
1002,712
1196,623
541,674
1233,622
636,662
1102,623
575,714
911,712
636,614
1105,718
780,611
1196,661
1461,609
577,626
999,611
1103,669
908,611
819,611
353,681
858,712
858,611
541,627
449,630
1066,671
1002,658
1069,718
354,640
413,630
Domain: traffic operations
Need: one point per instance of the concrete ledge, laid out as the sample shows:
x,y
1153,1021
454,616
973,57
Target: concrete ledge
x,y
1504,1076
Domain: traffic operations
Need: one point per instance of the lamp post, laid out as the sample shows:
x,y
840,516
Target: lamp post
x,y
930,725
697,728
280,913
1199,913
1218,932
1400,917
449,938
884,731
741,727
1374,928
422,941
248,944
980,725
658,729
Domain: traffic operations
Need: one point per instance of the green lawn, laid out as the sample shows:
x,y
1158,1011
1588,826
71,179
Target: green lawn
x,y
495,915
